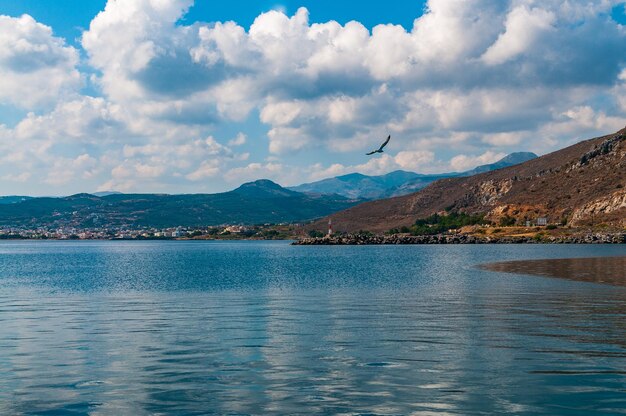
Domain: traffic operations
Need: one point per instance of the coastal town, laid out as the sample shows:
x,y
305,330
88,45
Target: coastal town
x,y
223,232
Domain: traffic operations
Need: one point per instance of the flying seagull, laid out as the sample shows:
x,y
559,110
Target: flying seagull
x,y
380,149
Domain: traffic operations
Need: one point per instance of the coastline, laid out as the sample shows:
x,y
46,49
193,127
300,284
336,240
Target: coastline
x,y
366,239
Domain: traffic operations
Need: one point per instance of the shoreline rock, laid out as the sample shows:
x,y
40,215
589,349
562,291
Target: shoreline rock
x,y
363,239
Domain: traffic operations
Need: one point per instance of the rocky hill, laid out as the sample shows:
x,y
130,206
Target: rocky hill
x,y
582,184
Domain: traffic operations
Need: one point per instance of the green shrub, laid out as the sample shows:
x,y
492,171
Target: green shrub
x,y
437,224
507,221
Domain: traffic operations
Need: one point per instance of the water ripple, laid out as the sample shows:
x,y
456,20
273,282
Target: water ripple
x,y
155,336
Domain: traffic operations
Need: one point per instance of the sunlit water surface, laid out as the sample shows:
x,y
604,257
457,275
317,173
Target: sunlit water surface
x,y
138,328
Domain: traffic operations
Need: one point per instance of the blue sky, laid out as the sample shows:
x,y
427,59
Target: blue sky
x,y
69,17
165,96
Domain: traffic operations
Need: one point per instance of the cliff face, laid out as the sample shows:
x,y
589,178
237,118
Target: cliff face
x,y
584,183
605,206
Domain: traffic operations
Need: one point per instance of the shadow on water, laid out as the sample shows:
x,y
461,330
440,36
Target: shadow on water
x,y
610,270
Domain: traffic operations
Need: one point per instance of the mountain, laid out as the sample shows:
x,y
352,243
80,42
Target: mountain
x,y
510,160
13,199
257,202
581,184
105,193
356,185
264,189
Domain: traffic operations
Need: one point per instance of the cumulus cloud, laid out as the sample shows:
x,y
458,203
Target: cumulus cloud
x,y
64,170
207,169
314,82
471,77
522,28
36,68
89,143
414,160
253,171
462,163
239,140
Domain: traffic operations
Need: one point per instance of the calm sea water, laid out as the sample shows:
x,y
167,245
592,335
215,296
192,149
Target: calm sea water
x,y
139,328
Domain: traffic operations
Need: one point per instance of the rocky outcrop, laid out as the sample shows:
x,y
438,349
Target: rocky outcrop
x,y
364,239
603,148
604,205
530,212
491,191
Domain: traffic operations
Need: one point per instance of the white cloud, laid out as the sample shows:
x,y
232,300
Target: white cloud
x,y
462,163
82,120
239,140
314,83
472,77
420,161
36,68
254,171
64,170
317,171
523,27
21,177
207,169
414,160
504,139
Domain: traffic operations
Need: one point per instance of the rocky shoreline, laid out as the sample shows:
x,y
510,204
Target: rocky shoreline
x,y
364,239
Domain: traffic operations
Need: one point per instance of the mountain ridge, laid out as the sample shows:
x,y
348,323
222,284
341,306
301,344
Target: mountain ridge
x,y
256,202
396,183
580,184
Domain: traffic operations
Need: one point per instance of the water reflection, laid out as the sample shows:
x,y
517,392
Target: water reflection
x,y
413,339
611,270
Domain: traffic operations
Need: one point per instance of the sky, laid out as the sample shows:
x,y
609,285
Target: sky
x,y
180,96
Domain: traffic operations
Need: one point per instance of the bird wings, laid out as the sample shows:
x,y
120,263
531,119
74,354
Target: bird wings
x,y
380,149
385,144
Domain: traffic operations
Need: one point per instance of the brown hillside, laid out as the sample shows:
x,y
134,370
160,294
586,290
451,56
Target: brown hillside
x,y
582,183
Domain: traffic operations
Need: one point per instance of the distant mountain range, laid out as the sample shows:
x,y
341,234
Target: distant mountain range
x,y
257,202
359,186
584,184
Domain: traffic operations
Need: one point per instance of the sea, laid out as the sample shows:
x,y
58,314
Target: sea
x,y
264,328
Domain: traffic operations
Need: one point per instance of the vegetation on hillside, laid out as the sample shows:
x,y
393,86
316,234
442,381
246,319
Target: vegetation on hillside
x,y
437,224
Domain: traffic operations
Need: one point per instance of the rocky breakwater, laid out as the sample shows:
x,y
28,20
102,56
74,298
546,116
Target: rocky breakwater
x,y
366,239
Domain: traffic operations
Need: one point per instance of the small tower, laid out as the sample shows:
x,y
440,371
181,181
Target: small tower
x,y
330,227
